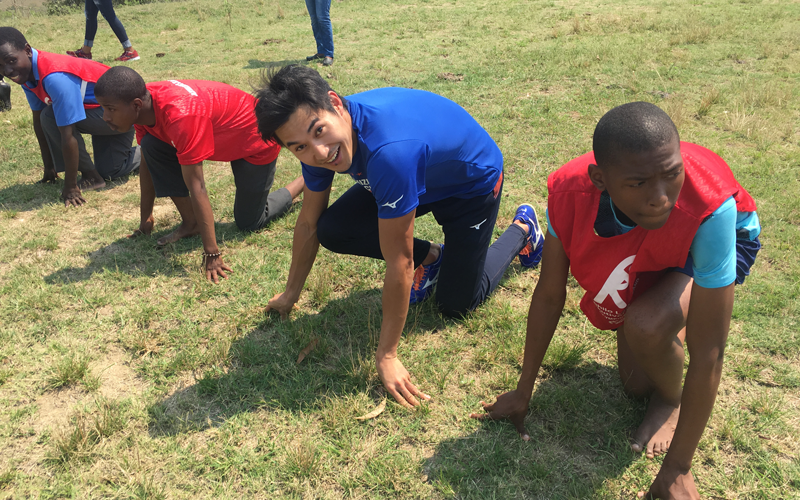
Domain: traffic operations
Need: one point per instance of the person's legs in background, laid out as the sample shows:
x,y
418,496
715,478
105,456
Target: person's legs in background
x,y
319,12
105,7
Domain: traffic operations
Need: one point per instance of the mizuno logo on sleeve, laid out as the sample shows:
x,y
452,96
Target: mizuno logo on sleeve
x,y
393,204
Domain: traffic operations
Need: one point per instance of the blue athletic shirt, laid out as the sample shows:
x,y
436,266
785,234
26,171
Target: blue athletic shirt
x,y
65,91
415,147
713,248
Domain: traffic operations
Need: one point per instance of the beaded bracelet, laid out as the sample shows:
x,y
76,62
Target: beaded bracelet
x,y
206,255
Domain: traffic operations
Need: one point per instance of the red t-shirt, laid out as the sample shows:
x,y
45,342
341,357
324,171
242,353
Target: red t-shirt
x,y
207,121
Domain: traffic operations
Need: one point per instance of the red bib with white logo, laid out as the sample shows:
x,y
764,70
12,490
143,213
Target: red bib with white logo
x,y
88,71
613,271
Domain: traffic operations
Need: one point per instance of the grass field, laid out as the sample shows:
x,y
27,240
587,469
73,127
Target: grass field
x,y
124,374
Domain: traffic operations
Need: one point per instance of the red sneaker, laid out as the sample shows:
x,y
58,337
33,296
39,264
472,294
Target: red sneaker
x,y
128,55
80,54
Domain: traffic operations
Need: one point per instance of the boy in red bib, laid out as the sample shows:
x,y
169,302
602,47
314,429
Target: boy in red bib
x,y
656,231
181,123
60,92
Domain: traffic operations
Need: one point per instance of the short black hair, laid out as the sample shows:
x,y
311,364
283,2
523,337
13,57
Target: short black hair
x,y
120,82
283,91
12,36
634,127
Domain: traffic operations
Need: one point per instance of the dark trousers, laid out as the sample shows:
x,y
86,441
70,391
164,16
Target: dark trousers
x,y
471,269
114,157
254,206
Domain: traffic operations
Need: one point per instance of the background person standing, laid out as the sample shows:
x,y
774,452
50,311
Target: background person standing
x,y
320,13
91,9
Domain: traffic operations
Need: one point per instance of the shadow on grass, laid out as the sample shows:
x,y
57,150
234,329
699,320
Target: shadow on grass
x,y
263,371
579,422
141,256
257,64
31,196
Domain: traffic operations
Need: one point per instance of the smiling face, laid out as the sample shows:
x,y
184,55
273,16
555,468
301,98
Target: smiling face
x,y
16,64
644,186
119,115
320,138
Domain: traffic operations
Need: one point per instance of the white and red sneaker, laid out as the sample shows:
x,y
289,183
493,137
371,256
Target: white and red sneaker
x,y
128,55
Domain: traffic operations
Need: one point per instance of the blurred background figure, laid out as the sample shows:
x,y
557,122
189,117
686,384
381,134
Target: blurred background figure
x,y
320,13
91,8
5,95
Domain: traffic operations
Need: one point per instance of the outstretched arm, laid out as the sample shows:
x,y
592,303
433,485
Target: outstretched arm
x,y
397,247
706,334
146,202
71,194
193,177
304,250
545,311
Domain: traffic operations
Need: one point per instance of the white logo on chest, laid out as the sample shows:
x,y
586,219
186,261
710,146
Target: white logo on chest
x,y
617,281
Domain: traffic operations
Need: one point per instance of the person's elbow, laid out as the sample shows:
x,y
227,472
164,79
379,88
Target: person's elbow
x,y
709,359
550,296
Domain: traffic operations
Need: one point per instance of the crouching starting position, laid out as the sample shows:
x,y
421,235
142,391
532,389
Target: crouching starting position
x,y
181,123
60,92
410,153
656,231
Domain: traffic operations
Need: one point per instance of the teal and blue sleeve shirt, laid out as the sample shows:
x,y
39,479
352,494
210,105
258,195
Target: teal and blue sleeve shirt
x,y
713,249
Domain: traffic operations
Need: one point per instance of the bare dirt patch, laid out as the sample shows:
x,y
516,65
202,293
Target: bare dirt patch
x,y
55,408
118,380
450,77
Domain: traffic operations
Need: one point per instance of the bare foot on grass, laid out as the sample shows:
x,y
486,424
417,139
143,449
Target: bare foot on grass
x,y
90,183
654,434
49,177
183,231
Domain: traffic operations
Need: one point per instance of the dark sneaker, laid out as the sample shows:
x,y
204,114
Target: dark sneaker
x,y
424,279
531,253
327,61
80,54
314,57
128,55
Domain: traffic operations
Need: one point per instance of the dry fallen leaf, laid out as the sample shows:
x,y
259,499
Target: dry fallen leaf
x,y
374,413
307,349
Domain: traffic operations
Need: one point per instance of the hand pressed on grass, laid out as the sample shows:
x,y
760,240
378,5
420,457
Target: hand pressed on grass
x,y
72,197
397,381
511,406
282,304
215,267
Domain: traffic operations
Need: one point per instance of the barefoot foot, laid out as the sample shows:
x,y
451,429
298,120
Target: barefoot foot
x,y
49,177
654,435
183,231
90,182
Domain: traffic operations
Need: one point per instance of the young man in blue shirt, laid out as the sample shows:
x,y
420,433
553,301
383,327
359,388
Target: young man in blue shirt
x,y
60,92
410,153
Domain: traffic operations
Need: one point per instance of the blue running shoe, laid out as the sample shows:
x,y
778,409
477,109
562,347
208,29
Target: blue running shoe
x,y
531,253
424,279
